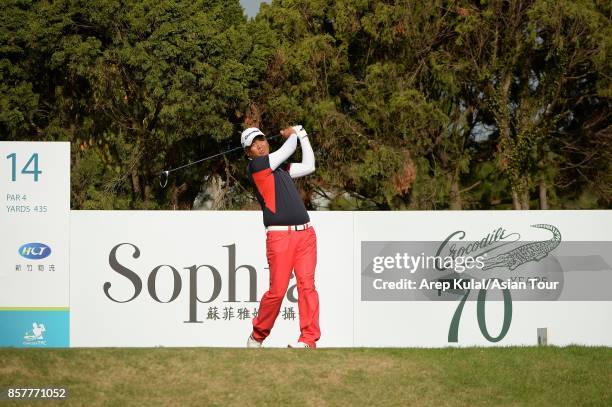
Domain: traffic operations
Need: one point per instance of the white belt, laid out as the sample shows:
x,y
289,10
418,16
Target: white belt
x,y
289,227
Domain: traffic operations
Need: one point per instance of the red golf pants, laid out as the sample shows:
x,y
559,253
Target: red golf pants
x,y
290,251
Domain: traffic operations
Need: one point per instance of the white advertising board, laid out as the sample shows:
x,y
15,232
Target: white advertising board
x,y
387,321
118,299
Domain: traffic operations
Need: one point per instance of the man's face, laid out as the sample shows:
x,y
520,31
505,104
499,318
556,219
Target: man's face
x,y
259,147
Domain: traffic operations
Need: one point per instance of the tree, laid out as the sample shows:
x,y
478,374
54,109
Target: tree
x,y
535,62
414,105
18,100
138,86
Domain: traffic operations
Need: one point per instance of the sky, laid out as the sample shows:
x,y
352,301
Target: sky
x,y
251,7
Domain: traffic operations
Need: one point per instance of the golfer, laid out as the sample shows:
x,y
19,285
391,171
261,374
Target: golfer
x,y
291,242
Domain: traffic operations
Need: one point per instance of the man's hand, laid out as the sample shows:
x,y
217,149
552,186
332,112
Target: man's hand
x,y
287,132
299,130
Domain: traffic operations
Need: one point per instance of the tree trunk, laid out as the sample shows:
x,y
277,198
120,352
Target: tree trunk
x,y
176,191
543,197
136,190
525,193
516,203
455,196
525,200
217,192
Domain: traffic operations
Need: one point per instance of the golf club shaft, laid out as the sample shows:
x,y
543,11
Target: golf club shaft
x,y
212,156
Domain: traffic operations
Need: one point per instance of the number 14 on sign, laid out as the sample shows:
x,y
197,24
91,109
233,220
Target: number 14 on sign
x,y
30,167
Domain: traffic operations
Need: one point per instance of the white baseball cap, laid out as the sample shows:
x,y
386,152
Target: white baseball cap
x,y
248,135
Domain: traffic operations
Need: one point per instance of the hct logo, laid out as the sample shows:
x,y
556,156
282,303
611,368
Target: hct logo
x,y
35,251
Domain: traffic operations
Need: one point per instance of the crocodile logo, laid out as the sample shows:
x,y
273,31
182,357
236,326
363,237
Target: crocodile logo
x,y
534,251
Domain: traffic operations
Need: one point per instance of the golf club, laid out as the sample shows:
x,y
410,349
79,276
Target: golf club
x,y
163,176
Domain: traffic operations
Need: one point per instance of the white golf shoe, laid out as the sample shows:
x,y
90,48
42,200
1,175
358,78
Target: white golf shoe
x,y
252,343
298,345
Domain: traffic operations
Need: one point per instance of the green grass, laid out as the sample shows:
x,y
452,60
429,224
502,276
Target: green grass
x,y
323,377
